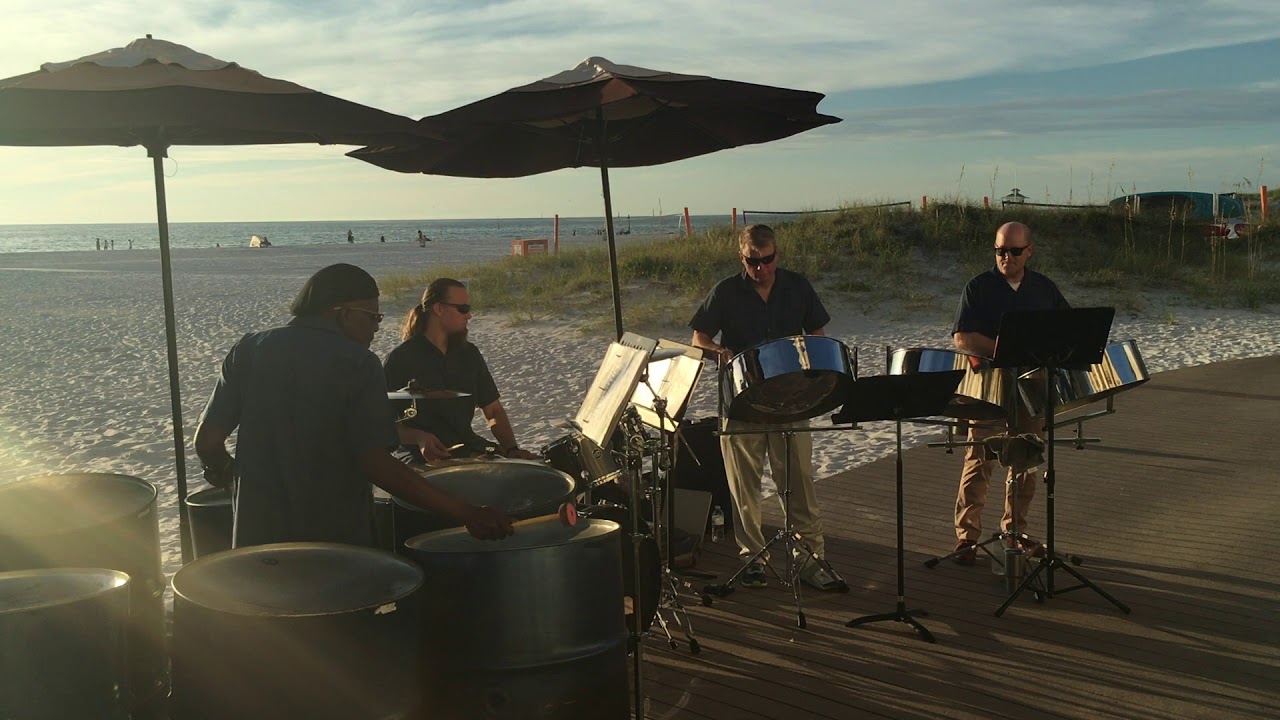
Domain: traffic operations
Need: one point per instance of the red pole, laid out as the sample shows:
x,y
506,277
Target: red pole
x,y
733,224
986,202
557,234
1264,203
688,226
924,202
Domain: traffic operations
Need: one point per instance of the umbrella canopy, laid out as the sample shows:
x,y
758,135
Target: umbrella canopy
x,y
600,114
156,94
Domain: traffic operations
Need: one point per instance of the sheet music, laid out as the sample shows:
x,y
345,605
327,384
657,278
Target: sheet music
x,y
612,387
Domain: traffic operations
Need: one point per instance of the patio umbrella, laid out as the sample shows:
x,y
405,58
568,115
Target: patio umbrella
x,y
157,94
601,115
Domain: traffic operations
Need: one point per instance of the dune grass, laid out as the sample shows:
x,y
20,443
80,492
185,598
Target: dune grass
x,y
884,256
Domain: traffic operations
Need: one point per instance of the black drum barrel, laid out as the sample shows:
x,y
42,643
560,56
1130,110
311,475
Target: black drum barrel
x,y
62,644
96,520
212,521
519,488
529,626
297,630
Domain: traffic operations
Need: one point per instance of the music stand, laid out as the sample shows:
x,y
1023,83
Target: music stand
x,y
898,397
1072,339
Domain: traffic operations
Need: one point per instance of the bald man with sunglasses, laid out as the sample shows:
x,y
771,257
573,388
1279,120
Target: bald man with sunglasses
x,y
1008,285
765,302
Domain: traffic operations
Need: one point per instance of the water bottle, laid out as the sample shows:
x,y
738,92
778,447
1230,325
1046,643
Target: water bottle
x,y
717,524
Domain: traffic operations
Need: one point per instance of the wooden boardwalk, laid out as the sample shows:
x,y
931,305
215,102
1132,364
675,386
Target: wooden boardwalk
x,y
1176,514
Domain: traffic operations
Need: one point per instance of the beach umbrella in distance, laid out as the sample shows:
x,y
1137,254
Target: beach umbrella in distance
x,y
156,94
603,115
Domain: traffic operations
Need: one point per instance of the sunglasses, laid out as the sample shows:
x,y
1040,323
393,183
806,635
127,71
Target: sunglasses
x,y
1014,251
758,261
377,316
463,308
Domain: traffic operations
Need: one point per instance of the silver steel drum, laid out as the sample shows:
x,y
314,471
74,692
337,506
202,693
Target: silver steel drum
x,y
984,393
297,630
527,627
62,644
519,488
787,380
212,520
1121,369
98,521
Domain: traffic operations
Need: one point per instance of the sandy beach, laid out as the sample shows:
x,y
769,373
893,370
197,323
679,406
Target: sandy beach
x,y
83,385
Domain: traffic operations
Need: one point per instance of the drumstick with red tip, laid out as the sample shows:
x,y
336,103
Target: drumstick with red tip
x,y
567,515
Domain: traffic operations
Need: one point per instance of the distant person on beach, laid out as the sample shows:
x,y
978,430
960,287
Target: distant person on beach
x,y
130,243
422,239
436,354
382,238
765,302
316,426
1008,285
351,238
97,244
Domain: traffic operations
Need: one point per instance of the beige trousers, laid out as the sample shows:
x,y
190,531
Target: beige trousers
x,y
744,457
975,478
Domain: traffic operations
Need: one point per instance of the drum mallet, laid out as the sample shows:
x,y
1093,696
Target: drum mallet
x,y
567,515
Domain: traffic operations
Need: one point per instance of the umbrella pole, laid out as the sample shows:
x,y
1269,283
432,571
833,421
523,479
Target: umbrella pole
x,y
608,224
157,153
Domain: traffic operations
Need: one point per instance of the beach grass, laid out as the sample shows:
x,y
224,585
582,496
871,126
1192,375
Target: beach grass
x,y
896,257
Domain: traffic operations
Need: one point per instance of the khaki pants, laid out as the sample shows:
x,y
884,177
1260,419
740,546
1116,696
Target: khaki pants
x,y
975,478
744,457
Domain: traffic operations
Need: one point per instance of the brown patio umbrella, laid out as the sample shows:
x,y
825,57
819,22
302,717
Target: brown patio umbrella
x,y
601,115
157,94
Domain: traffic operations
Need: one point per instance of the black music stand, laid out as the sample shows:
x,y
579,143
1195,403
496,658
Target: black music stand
x,y
898,397
1072,339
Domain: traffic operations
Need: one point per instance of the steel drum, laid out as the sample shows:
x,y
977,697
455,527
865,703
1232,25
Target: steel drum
x,y
984,393
787,380
519,488
1121,369
650,585
212,520
527,627
297,630
62,644
103,521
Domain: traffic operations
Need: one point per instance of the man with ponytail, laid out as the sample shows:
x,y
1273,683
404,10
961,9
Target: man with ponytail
x,y
436,355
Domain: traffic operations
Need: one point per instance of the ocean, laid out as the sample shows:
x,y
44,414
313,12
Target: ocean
x,y
468,240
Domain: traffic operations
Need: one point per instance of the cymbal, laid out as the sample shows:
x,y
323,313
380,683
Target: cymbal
x,y
426,395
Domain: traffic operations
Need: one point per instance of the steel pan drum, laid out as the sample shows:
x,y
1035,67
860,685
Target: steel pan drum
x,y
96,520
519,488
527,627
787,380
62,644
1121,369
984,391
297,630
212,520
650,586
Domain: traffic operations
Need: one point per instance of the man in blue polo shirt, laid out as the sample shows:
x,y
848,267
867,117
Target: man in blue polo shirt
x,y
1009,285
316,427
764,302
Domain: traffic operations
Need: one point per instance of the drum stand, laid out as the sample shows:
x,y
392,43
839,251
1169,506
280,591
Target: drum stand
x,y
662,504
790,539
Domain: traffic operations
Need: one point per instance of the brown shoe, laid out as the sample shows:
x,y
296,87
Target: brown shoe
x,y
966,553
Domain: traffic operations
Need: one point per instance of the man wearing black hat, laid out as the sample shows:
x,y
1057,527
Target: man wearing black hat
x,y
315,425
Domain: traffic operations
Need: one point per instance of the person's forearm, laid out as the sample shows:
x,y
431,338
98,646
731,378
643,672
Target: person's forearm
x,y
500,426
976,343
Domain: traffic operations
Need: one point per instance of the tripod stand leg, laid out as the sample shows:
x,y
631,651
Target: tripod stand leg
x,y
1023,586
1084,581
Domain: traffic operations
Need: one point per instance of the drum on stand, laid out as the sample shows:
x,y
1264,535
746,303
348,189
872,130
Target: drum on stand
x,y
62,644
297,630
519,488
787,380
529,626
984,394
1122,368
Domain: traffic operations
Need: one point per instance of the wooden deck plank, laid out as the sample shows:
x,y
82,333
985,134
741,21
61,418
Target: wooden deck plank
x,y
1169,513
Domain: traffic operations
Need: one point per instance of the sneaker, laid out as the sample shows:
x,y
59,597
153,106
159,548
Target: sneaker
x,y
753,576
966,553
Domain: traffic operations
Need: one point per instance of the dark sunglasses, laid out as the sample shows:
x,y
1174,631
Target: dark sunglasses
x,y
463,308
1014,251
758,261
377,316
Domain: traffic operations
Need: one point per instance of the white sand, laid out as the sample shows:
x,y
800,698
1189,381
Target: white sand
x,y
84,388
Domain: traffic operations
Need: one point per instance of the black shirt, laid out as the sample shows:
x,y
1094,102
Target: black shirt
x,y
735,309
988,296
463,369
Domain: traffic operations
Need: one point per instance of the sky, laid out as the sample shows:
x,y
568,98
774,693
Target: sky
x,y
1072,102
